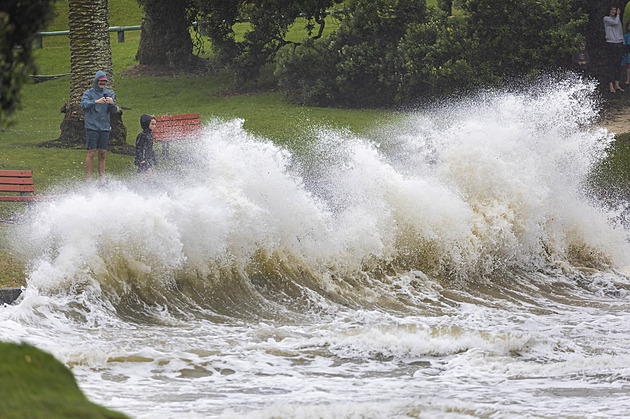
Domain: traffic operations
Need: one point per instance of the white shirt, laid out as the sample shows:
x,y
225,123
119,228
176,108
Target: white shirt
x,y
614,31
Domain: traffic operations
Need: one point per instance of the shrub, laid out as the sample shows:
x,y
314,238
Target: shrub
x,y
391,51
356,65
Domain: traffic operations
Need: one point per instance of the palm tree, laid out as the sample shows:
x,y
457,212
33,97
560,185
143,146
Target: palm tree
x,y
90,51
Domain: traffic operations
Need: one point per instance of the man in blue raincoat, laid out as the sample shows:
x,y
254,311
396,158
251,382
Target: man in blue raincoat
x,y
97,104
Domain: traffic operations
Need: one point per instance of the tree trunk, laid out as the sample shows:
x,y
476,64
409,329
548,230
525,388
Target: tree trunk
x,y
90,51
165,39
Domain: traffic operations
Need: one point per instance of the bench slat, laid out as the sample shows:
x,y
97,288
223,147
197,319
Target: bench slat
x,y
184,123
160,118
24,198
185,128
175,136
176,140
16,180
186,116
166,134
17,188
175,131
16,173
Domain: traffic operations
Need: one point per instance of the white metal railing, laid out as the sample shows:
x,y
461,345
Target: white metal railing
x,y
119,29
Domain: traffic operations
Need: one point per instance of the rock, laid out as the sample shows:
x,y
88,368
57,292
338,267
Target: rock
x,y
9,295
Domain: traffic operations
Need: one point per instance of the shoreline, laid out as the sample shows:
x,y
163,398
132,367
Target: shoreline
x,y
615,118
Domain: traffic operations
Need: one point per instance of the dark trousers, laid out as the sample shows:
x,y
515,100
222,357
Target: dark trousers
x,y
614,55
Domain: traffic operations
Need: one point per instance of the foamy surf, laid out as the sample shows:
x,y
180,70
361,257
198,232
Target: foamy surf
x,y
450,263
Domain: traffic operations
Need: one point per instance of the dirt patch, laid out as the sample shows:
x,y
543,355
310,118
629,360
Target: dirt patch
x,y
201,68
615,115
141,70
618,121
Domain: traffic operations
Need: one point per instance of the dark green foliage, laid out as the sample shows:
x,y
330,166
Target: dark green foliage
x,y
446,6
393,51
358,64
20,20
439,57
270,21
305,72
518,36
33,384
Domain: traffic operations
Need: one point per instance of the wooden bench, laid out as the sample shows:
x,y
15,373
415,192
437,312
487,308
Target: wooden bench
x,y
176,128
20,181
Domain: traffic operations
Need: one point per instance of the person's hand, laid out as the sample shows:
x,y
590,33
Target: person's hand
x,y
109,100
101,100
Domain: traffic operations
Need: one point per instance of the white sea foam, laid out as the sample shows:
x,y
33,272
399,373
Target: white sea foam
x,y
450,263
496,183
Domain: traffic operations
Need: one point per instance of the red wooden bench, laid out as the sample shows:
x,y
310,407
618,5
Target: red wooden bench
x,y
20,181
176,128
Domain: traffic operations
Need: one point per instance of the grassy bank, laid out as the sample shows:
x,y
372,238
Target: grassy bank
x,y
34,384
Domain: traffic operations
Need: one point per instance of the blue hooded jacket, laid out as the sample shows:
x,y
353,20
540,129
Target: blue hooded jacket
x,y
97,114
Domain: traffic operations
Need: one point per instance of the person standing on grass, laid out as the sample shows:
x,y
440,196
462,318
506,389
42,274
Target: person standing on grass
x,y
97,104
614,47
145,155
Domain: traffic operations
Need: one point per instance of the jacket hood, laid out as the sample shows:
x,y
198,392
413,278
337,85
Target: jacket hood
x,y
145,120
97,76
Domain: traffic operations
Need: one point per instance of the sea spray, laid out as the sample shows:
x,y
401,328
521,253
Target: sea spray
x,y
461,191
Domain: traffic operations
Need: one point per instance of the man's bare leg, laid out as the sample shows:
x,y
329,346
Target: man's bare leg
x,y
101,164
89,160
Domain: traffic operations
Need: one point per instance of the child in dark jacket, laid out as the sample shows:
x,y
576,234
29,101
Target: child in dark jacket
x,y
145,156
581,59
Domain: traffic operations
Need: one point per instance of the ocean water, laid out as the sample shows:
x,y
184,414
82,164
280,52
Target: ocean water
x,y
449,264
